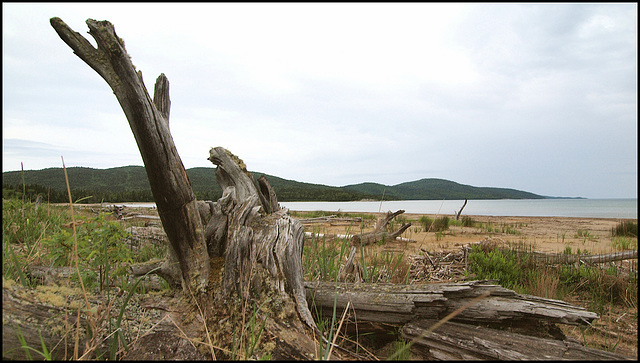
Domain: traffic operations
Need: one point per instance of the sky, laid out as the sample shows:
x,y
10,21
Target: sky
x,y
535,97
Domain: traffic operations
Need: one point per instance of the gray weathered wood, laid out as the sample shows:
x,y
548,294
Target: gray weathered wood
x,y
399,304
170,185
456,341
561,258
261,243
256,240
380,232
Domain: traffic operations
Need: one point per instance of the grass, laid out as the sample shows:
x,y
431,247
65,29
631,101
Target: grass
x,y
40,234
516,270
625,229
44,235
438,224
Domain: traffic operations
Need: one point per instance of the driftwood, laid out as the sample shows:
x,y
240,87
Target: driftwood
x,y
460,211
149,122
487,321
399,304
260,243
348,236
350,268
332,220
24,316
380,232
561,258
456,341
44,316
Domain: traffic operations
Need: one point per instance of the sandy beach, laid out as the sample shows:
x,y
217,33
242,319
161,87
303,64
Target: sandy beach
x,y
543,234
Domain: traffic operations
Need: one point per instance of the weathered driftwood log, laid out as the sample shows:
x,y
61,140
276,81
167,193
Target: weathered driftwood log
x,y
399,304
347,236
25,316
332,219
418,307
456,341
43,315
380,232
561,258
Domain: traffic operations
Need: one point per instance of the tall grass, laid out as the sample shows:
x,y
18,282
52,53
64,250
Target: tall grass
x,y
516,270
625,229
439,224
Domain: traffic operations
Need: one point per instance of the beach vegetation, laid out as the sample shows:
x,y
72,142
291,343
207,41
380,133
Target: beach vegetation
x,y
438,224
516,270
622,243
92,247
468,221
625,229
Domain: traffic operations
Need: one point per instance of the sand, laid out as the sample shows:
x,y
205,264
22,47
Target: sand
x,y
543,234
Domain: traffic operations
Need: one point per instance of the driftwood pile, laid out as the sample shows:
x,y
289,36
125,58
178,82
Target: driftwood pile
x,y
470,320
438,266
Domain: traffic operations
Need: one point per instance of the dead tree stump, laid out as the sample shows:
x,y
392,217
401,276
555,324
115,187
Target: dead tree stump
x,y
260,243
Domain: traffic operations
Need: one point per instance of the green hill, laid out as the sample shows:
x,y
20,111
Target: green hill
x,y
430,189
130,183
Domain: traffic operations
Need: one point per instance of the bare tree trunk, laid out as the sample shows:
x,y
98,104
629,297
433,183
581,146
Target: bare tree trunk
x,y
150,125
460,212
261,244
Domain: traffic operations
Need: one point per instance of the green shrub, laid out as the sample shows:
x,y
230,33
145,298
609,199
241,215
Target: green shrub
x,y
468,221
440,224
502,265
625,229
602,286
624,243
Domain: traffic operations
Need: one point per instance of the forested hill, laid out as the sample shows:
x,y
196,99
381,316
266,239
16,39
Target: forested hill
x,y
130,183
429,189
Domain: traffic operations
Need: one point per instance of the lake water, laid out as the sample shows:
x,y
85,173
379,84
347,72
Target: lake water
x,y
594,208
589,208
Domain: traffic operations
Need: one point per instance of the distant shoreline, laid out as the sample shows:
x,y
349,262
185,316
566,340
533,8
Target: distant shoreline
x,y
571,208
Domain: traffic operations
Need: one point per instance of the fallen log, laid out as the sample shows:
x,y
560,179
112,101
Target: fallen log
x,y
46,315
487,321
25,318
399,304
561,258
349,236
456,341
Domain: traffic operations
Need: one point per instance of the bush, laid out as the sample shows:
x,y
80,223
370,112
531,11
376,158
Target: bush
x,y
502,265
468,221
438,225
625,228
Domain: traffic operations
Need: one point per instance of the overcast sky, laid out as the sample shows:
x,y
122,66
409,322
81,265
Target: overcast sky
x,y
538,97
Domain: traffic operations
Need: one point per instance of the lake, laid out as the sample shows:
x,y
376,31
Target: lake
x,y
593,208
588,208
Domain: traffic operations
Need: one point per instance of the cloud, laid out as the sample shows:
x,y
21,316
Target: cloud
x,y
538,97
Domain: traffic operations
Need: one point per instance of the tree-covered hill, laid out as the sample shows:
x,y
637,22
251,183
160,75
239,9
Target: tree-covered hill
x,y
130,184
429,189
